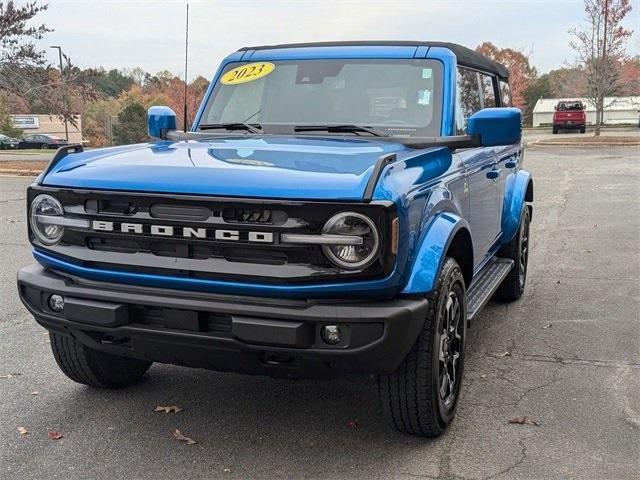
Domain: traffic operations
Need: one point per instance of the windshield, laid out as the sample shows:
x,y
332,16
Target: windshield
x,y
395,97
562,106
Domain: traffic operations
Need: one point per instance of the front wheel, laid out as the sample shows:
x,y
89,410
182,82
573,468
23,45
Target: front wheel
x,y
512,287
94,368
421,396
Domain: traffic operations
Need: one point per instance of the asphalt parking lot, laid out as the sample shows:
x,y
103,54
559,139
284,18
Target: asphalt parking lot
x,y
567,355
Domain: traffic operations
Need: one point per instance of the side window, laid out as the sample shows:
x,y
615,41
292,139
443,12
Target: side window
x,y
488,93
468,98
505,93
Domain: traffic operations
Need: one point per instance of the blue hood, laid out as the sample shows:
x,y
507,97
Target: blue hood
x,y
291,167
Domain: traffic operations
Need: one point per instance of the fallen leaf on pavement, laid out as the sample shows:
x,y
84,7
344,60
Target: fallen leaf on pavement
x,y
352,424
22,431
227,470
34,392
524,421
181,438
505,354
10,375
548,325
483,375
55,435
172,408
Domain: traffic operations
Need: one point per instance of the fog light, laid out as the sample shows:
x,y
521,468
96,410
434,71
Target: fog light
x,y
56,302
331,334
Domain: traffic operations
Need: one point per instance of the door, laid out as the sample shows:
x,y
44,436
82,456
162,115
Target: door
x,y
27,142
482,169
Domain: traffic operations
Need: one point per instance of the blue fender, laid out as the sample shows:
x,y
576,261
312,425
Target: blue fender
x,y
432,251
514,199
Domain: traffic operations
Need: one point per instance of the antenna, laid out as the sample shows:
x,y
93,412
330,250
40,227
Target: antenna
x,y
186,63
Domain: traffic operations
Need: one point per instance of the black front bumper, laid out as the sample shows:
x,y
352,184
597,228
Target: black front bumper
x,y
267,336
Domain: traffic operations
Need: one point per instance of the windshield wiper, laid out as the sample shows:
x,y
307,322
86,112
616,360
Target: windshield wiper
x,y
255,128
347,128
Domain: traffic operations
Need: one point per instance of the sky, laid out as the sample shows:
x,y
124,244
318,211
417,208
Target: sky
x,y
150,34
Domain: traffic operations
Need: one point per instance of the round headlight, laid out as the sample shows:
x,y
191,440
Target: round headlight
x,y
350,256
44,206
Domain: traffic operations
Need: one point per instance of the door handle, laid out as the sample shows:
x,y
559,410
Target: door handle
x,y
493,174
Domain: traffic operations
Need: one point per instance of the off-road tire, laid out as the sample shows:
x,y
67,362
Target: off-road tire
x,y
94,368
410,395
512,287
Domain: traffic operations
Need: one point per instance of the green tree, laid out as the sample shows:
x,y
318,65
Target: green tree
x,y
132,125
537,88
111,83
6,123
98,121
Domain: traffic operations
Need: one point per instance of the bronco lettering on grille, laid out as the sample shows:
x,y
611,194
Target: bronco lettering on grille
x,y
182,232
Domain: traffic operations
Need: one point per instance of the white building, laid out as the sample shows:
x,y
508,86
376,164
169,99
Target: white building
x,y
48,124
617,110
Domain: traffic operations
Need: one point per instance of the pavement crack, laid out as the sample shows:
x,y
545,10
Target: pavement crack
x,y
9,200
520,461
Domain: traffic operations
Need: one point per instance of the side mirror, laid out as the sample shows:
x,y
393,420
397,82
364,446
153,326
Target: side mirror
x,y
496,126
159,121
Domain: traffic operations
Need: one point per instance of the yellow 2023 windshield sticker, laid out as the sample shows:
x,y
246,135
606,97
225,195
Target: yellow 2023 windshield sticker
x,y
247,73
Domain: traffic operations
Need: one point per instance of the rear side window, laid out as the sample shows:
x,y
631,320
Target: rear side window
x,y
468,98
488,93
505,93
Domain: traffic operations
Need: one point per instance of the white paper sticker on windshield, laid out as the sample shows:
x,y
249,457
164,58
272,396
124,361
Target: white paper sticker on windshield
x,y
423,97
427,72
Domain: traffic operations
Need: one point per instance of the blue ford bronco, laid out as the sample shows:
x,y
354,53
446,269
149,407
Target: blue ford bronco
x,y
335,209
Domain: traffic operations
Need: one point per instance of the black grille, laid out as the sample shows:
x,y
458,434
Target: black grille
x,y
263,216
208,256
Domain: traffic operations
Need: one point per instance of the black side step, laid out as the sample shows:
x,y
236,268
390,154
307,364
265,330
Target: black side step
x,y
485,284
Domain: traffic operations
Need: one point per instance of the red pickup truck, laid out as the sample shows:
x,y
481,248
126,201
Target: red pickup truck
x,y
569,115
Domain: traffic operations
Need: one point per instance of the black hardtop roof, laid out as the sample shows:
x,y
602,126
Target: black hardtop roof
x,y
465,56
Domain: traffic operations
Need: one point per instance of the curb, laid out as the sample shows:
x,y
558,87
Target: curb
x,y
544,143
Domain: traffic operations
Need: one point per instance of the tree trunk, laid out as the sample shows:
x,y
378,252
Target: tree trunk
x,y
599,116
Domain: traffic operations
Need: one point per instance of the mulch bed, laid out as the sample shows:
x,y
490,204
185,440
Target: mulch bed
x,y
591,140
22,167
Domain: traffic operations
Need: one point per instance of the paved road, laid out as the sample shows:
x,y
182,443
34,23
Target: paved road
x,y
579,378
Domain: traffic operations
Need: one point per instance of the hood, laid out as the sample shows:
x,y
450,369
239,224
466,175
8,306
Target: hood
x,y
259,167
304,168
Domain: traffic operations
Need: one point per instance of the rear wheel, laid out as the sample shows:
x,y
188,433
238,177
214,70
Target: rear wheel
x,y
94,368
583,129
555,130
44,146
421,396
512,287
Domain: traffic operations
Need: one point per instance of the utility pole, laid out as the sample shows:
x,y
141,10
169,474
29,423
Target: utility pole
x,y
62,95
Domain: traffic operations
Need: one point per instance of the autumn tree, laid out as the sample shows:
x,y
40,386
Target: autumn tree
x,y
24,71
132,124
521,72
600,45
629,84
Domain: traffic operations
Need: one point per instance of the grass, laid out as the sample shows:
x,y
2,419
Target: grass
x,y
27,151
